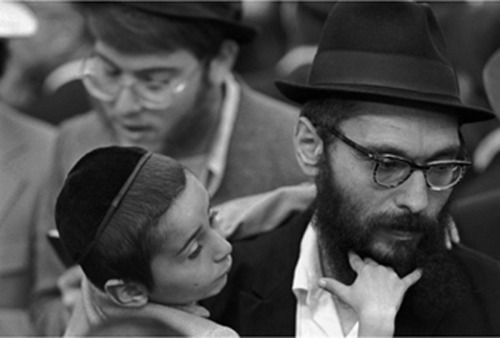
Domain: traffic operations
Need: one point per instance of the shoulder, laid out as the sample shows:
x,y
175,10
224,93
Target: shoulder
x,y
79,135
483,275
184,322
482,270
80,123
24,126
85,131
262,105
280,244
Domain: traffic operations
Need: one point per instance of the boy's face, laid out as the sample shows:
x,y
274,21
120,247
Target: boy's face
x,y
194,261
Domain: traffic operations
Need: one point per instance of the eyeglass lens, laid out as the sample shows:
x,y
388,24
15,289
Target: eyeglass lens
x,y
392,172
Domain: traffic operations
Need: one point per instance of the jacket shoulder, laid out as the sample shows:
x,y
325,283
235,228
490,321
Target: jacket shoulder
x,y
483,274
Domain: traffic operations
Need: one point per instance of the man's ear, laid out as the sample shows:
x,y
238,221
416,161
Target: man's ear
x,y
127,294
222,64
308,146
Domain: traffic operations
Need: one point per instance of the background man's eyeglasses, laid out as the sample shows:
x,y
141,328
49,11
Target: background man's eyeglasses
x,y
390,171
105,83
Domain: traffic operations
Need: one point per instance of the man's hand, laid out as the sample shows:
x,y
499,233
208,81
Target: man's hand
x,y
375,295
69,285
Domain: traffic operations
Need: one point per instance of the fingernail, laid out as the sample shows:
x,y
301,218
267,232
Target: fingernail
x,y
322,283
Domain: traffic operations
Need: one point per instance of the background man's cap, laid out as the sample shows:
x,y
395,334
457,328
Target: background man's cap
x,y
392,52
228,14
92,193
16,20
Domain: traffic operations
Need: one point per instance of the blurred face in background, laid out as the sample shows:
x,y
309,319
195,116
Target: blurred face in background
x,y
149,100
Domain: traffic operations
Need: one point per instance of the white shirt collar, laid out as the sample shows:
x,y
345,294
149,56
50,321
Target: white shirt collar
x,y
217,156
316,311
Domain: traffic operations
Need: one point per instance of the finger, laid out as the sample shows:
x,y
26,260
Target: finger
x,y
454,236
412,277
334,287
355,261
447,240
370,261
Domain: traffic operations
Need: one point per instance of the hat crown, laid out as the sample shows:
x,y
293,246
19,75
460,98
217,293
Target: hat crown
x,y
229,14
393,28
392,52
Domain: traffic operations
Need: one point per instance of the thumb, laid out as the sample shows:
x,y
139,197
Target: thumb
x,y
334,287
355,261
412,277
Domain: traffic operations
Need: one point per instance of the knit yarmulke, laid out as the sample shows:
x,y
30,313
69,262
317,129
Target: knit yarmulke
x,y
92,192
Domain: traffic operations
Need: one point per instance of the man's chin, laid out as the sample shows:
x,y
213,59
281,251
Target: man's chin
x,y
396,249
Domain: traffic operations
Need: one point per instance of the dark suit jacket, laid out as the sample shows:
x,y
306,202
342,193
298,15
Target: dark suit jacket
x,y
476,211
258,300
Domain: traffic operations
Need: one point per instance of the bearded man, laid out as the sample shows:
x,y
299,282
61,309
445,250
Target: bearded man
x,y
380,133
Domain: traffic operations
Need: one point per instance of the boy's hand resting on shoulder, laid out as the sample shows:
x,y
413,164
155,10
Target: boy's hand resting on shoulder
x,y
375,295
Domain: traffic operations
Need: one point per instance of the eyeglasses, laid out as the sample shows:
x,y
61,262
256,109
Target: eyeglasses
x,y
105,82
390,171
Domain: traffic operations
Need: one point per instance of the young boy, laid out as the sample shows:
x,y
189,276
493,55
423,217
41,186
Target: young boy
x,y
141,228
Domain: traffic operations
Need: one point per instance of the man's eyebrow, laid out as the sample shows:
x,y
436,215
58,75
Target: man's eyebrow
x,y
449,151
189,240
145,71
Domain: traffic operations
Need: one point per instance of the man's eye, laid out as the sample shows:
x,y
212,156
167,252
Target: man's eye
x,y
157,86
446,167
388,164
196,252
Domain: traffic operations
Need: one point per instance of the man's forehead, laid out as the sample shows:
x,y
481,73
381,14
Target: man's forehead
x,y
176,59
411,132
379,115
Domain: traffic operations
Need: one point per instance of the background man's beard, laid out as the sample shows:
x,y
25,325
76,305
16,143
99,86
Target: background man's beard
x,y
341,228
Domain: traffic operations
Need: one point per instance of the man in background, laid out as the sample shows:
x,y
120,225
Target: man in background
x,y
161,76
380,135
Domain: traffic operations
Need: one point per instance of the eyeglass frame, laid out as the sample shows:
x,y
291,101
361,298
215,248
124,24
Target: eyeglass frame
x,y
378,158
146,103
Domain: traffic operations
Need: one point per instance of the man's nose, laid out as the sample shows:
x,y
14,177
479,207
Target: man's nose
x,y
413,194
126,101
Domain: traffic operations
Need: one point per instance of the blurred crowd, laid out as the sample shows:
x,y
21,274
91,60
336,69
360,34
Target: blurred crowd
x,y
45,126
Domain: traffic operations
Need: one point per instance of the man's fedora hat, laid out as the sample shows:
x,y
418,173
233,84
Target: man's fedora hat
x,y
227,14
392,52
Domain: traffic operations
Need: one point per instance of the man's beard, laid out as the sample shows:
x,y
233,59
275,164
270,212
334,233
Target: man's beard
x,y
342,228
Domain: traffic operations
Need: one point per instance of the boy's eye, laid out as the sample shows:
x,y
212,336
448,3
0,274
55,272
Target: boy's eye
x,y
196,252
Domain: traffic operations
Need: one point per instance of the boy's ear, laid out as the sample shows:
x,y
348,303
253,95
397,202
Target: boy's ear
x,y
127,294
222,64
308,147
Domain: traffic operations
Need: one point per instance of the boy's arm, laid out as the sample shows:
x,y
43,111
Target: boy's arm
x,y
250,215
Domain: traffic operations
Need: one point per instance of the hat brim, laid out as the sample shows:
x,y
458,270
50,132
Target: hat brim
x,y
300,93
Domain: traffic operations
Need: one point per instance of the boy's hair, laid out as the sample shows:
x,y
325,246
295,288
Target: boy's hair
x,y
108,211
135,32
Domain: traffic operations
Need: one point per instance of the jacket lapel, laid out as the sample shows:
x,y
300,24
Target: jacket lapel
x,y
266,300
